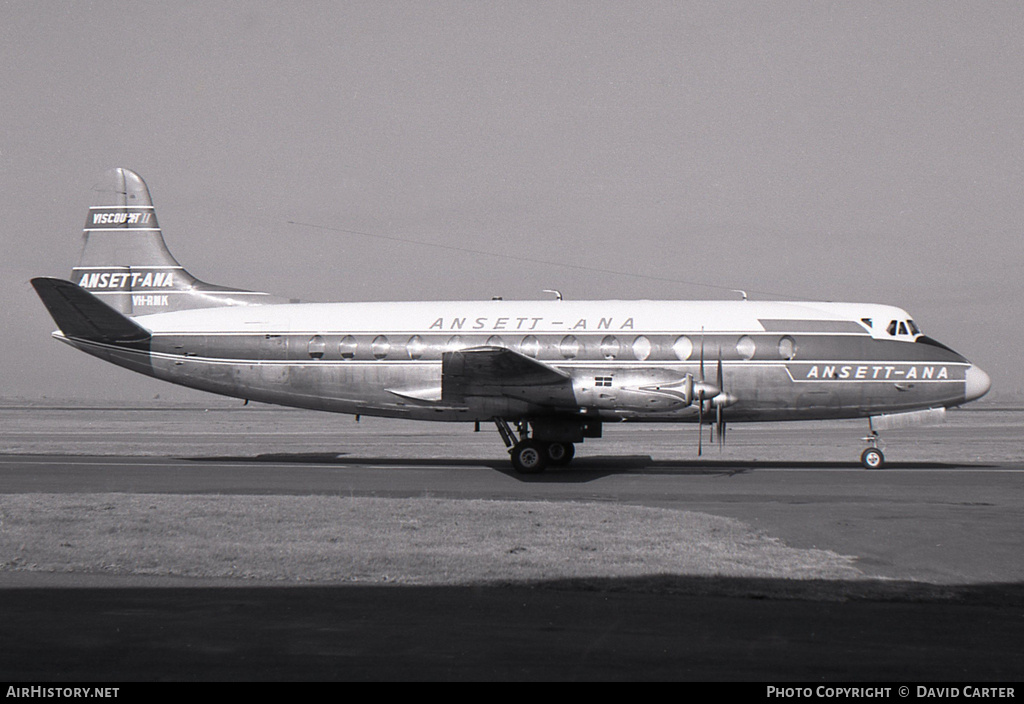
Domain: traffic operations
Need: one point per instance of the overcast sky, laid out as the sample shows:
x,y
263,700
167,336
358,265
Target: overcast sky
x,y
850,151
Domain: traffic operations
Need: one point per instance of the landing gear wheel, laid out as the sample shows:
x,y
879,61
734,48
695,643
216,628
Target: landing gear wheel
x,y
561,453
529,457
872,458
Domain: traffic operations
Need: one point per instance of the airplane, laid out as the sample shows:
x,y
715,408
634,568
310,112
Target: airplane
x,y
548,373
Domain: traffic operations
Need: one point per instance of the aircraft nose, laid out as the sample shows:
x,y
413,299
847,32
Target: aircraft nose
x,y
976,384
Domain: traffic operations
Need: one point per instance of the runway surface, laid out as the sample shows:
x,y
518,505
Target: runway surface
x,y
943,523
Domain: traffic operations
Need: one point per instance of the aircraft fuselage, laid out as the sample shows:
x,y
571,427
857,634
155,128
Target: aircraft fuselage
x,y
780,361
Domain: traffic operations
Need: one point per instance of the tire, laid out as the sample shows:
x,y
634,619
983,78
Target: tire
x,y
872,458
529,457
561,453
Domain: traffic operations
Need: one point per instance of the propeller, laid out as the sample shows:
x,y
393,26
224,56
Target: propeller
x,y
714,394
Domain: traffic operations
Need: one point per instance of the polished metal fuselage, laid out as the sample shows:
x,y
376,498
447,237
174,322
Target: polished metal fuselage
x,y
626,360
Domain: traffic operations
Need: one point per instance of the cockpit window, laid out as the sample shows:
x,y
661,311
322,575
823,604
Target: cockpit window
x,y
902,327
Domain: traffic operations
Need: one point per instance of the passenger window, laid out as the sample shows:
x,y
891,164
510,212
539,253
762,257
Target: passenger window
x,y
569,347
317,346
787,347
683,347
746,348
610,347
642,348
530,346
415,347
380,347
347,347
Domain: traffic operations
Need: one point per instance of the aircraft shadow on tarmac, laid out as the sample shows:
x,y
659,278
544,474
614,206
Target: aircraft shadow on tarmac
x,y
583,469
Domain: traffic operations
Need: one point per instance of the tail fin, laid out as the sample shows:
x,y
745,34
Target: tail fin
x,y
126,263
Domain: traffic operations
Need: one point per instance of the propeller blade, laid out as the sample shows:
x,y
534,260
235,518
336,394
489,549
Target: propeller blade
x,y
702,354
719,426
700,400
700,422
719,412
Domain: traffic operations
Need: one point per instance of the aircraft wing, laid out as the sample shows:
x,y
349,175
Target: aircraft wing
x,y
500,372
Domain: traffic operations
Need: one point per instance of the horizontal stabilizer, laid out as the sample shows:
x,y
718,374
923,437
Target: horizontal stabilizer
x,y
81,315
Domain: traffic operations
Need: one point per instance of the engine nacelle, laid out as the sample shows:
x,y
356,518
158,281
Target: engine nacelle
x,y
638,390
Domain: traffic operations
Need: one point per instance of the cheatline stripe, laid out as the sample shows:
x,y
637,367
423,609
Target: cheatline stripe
x,y
506,333
422,362
125,266
108,207
121,229
138,292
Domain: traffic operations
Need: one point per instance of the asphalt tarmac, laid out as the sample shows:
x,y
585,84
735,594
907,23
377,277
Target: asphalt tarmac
x,y
938,532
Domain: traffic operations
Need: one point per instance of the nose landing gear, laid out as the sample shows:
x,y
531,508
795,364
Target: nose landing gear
x,y
872,458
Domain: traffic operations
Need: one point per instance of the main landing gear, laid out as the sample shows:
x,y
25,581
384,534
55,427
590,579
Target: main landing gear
x,y
529,455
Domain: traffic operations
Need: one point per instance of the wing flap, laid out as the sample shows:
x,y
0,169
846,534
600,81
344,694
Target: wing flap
x,y
428,394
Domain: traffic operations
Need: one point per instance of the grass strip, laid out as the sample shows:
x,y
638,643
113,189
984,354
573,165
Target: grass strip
x,y
332,539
